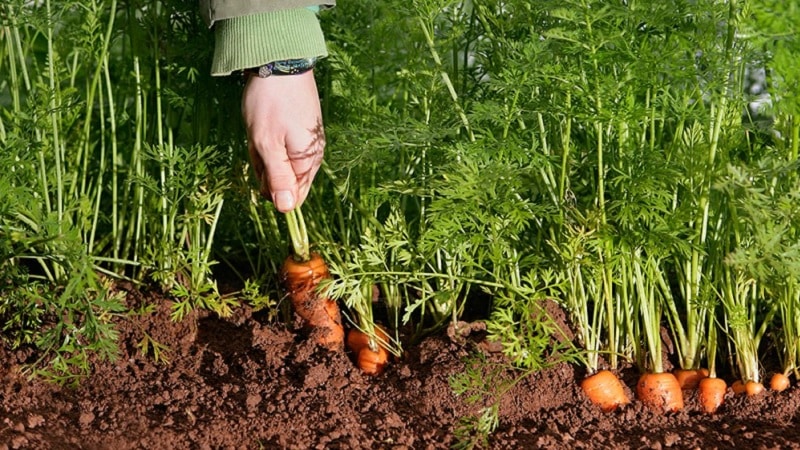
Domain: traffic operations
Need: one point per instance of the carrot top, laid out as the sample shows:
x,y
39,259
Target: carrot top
x,y
298,234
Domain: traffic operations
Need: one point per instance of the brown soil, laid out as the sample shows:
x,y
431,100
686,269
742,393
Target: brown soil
x,y
239,383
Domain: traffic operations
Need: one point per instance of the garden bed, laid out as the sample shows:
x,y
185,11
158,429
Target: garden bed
x,y
241,382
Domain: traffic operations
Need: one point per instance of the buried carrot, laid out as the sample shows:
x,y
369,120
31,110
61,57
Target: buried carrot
x,y
688,379
749,387
605,390
370,354
711,390
711,393
320,314
753,388
660,391
301,273
779,382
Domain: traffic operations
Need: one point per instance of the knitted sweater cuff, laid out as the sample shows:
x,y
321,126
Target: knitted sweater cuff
x,y
254,40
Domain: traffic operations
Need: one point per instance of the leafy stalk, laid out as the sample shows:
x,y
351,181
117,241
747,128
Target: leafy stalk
x,y
298,235
650,307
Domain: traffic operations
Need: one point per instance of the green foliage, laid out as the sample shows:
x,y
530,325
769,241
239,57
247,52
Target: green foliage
x,y
481,383
491,154
106,113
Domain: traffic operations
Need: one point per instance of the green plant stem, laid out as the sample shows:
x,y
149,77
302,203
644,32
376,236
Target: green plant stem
x,y
566,147
298,235
650,310
54,119
789,304
446,78
793,154
711,346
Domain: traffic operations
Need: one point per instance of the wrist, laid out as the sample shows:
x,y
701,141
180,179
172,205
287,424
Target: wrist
x,y
282,67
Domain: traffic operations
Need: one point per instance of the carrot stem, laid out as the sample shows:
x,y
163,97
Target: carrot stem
x,y
298,234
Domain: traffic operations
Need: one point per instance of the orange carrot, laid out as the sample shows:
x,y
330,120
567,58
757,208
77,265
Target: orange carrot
x,y
688,379
738,387
753,388
712,393
779,382
372,361
320,314
660,391
605,390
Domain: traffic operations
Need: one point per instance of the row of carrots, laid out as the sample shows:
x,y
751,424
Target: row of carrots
x,y
303,271
659,391
663,392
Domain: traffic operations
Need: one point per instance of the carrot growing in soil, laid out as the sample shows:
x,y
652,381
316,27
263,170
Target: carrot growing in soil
x,y
711,390
689,379
370,352
743,304
790,337
605,390
583,301
657,389
302,272
369,343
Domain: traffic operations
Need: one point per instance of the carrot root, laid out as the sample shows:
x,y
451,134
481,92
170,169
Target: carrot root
x,y
753,388
605,390
688,379
320,314
779,382
371,361
660,392
711,393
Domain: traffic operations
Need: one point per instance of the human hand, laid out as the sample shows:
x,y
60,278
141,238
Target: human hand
x,y
285,135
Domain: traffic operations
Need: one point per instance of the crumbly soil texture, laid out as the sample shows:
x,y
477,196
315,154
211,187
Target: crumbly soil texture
x,y
243,382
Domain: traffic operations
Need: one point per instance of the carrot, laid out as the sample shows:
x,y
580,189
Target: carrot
x,y
688,379
750,387
320,314
371,358
753,388
779,382
660,391
605,390
712,393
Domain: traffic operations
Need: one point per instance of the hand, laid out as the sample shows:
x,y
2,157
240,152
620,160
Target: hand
x,y
285,135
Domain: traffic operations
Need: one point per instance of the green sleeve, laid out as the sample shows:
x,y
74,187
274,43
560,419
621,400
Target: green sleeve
x,y
257,39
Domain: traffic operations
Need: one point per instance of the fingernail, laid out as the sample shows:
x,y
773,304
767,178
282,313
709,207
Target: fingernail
x,y
284,200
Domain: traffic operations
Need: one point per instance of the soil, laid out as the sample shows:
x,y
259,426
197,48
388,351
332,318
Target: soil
x,y
244,383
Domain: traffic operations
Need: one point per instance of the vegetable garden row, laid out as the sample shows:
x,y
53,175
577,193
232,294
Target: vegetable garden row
x,y
634,160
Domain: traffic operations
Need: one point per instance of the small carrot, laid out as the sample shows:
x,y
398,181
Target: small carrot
x,y
660,391
779,382
688,379
738,387
712,393
753,388
371,357
321,314
605,390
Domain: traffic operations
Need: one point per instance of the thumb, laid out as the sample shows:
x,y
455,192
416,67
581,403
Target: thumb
x,y
281,180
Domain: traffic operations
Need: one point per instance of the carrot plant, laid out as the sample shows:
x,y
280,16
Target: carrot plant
x,y
762,271
101,133
444,218
581,290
